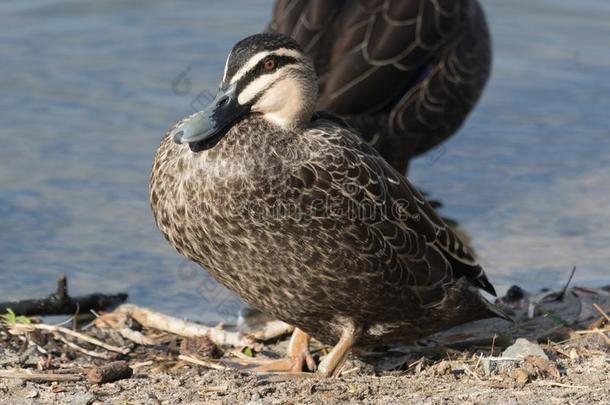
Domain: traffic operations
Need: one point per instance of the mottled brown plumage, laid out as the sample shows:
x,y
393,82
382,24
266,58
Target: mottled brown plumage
x,y
308,222
405,73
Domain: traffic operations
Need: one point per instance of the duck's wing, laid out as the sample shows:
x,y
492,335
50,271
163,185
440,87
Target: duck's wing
x,y
358,43
394,67
410,230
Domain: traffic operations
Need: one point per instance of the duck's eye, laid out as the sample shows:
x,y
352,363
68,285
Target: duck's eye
x,y
270,64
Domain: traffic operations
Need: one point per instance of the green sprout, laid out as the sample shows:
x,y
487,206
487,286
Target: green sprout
x,y
11,318
248,351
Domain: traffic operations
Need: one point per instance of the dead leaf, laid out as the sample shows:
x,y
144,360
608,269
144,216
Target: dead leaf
x,y
201,346
547,367
521,376
597,324
442,368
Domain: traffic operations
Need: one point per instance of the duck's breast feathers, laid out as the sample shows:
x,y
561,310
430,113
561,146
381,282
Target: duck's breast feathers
x,y
413,235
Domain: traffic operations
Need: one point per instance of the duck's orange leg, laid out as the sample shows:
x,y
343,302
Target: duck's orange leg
x,y
331,365
298,356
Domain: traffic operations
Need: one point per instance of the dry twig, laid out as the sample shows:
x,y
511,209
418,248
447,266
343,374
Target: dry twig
x,y
82,349
39,377
602,312
556,384
215,388
24,328
204,363
472,373
562,294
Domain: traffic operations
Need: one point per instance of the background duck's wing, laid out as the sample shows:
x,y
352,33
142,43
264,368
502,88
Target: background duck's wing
x,y
420,250
394,67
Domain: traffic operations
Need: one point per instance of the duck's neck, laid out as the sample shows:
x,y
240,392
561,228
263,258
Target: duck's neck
x,y
289,103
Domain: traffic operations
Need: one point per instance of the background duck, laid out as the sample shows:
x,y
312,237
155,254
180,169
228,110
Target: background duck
x,y
303,219
405,73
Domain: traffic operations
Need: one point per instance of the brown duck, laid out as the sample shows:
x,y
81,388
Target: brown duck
x,y
303,219
405,73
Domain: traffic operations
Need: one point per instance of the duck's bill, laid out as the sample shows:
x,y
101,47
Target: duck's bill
x,y
213,120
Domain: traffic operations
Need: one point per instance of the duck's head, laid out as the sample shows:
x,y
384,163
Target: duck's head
x,y
266,74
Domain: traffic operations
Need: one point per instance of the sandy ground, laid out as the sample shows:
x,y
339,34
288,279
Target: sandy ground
x,y
584,381
455,377
448,368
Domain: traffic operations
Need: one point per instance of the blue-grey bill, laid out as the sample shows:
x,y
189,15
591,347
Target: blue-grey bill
x,y
221,111
196,128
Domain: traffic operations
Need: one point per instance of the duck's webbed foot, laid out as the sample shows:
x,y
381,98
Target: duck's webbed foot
x,y
298,358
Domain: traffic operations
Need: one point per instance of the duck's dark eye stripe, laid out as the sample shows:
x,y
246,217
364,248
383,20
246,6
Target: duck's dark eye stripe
x,y
259,68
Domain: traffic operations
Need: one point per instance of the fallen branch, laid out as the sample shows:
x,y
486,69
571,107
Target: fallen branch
x,y
60,303
183,328
39,377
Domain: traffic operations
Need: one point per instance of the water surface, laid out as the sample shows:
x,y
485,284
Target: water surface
x,y
88,88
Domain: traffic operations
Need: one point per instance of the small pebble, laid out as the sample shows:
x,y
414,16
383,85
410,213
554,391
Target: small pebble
x,y
522,348
31,394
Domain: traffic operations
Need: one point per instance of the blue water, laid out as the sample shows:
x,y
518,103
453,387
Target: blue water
x,y
88,87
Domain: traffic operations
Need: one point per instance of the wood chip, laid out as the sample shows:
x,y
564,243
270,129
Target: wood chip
x,y
215,388
114,371
57,389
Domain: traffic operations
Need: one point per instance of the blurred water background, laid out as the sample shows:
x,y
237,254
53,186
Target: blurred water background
x,y
88,87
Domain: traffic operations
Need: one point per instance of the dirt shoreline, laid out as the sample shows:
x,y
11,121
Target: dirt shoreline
x,y
585,382
569,332
456,377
